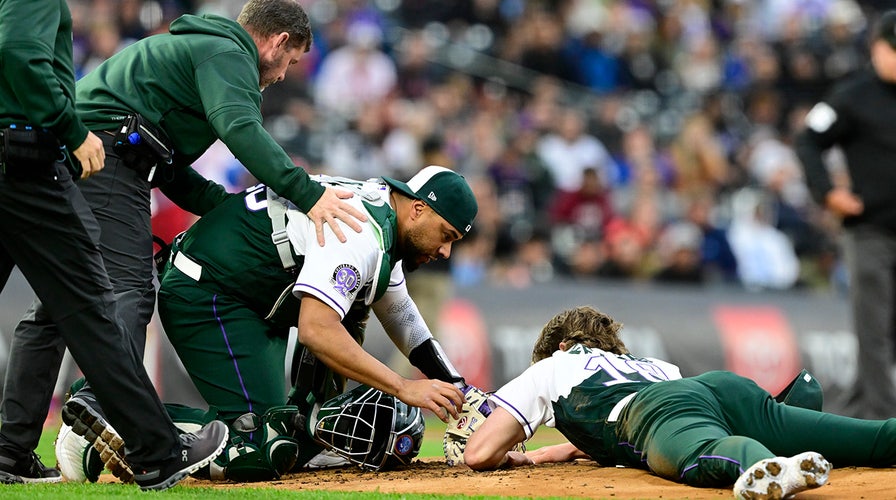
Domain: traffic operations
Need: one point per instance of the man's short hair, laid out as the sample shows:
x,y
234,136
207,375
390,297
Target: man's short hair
x,y
581,325
885,28
271,17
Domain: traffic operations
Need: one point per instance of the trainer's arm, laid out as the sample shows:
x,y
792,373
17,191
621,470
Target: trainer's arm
x,y
489,447
234,112
191,191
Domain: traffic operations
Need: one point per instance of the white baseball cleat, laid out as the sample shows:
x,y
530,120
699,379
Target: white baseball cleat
x,y
76,458
782,477
87,421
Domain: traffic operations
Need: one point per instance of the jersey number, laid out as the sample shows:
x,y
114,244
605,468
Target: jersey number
x,y
621,370
256,198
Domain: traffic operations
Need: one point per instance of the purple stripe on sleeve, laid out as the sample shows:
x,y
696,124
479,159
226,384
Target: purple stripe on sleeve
x,y
520,417
397,284
712,457
333,302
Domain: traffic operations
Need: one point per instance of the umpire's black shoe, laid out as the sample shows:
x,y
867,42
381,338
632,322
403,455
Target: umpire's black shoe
x,y
81,414
199,449
26,470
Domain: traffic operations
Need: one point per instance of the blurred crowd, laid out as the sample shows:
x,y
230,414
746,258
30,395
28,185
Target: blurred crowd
x,y
624,139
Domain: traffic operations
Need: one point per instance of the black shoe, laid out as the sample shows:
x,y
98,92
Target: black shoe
x,y
86,421
7,478
199,449
27,470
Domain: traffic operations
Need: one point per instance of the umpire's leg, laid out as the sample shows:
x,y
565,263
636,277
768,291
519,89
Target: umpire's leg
x,y
871,256
47,228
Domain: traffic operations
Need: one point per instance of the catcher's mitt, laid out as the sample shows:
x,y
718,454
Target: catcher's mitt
x,y
470,417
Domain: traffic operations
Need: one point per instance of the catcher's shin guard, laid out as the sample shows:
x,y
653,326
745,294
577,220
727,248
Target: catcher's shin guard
x,y
259,449
312,381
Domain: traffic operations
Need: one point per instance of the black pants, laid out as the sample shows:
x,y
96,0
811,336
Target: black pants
x,y
48,230
120,201
870,254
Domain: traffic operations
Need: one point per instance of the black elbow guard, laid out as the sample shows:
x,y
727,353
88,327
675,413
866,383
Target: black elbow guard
x,y
430,359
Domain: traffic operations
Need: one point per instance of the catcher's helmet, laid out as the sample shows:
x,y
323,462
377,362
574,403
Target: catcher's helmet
x,y
370,428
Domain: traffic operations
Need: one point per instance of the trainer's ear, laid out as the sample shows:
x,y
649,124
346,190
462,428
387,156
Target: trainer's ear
x,y
281,40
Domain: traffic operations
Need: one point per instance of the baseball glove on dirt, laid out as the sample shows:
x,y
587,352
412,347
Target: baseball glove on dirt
x,y
471,416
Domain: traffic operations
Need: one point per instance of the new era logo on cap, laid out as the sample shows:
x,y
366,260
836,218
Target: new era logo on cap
x,y
448,194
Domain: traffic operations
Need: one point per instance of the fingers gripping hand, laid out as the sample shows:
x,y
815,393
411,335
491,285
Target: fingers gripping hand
x,y
329,208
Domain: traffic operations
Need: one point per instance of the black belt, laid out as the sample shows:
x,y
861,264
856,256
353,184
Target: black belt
x,y
27,151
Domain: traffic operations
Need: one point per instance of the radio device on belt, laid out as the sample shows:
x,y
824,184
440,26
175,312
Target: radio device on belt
x,y
27,151
142,146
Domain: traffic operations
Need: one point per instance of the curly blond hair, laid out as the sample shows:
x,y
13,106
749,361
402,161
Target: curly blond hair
x,y
581,325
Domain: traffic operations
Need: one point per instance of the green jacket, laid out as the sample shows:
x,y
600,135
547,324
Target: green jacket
x,y
199,83
37,79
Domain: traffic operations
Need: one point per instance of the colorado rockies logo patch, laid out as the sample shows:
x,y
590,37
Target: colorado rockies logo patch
x,y
404,444
346,280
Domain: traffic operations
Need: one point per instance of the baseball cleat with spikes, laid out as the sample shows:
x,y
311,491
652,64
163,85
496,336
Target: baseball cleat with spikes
x,y
87,422
782,477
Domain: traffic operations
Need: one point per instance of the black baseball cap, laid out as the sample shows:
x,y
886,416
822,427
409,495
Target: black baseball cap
x,y
446,191
885,28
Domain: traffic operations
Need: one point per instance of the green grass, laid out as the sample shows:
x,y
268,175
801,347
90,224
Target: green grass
x,y
108,490
432,447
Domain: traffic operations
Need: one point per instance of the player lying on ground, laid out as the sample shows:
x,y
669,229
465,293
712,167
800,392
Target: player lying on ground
x,y
711,430
250,269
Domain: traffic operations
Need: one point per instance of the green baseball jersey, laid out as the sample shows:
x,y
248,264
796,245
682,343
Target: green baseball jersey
x,y
233,245
198,83
576,391
37,79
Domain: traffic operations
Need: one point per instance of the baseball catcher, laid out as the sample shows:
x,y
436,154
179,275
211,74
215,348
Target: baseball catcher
x,y
247,273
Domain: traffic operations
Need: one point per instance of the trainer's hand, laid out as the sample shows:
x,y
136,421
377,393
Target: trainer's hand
x,y
331,207
843,202
441,398
91,155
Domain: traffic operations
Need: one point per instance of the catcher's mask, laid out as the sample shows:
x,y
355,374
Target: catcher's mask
x,y
370,428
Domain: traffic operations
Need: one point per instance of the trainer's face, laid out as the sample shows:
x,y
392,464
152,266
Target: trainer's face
x,y
428,237
274,57
883,58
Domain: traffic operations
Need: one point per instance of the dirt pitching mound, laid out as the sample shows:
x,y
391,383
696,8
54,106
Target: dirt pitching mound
x,y
581,479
